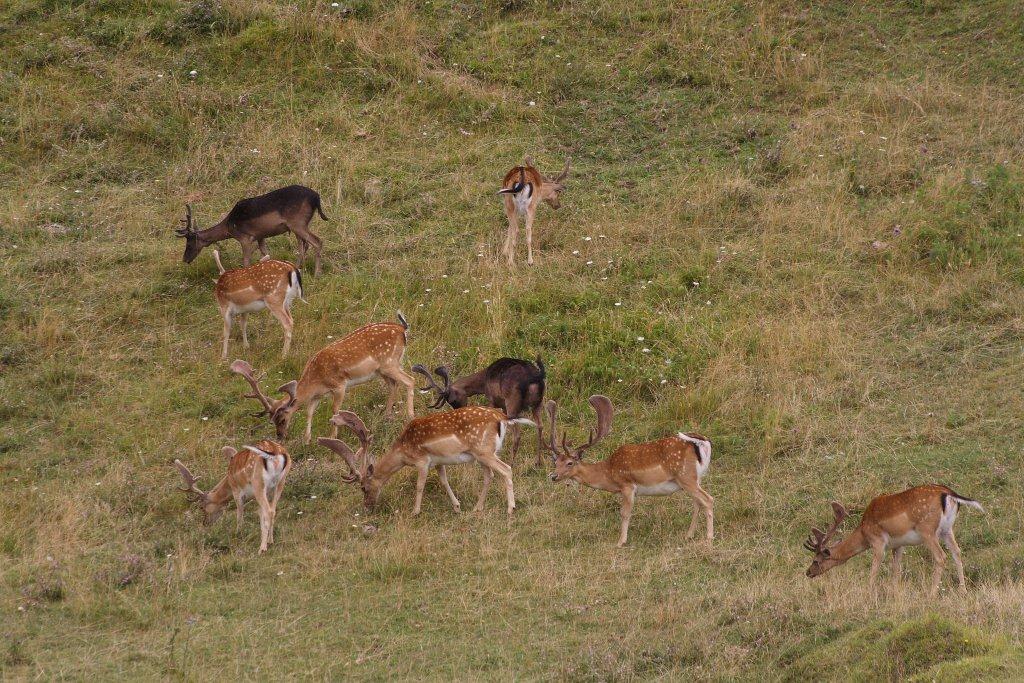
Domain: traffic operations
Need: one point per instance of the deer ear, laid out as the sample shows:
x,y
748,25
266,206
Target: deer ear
x,y
228,452
369,470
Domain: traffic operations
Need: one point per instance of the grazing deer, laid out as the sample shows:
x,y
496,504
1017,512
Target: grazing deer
x,y
256,471
436,440
523,189
266,284
251,221
513,385
656,468
923,515
374,350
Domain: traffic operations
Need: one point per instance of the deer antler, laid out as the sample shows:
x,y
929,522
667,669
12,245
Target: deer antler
x,y
603,407
441,393
818,540
187,222
191,490
442,372
245,370
552,410
565,171
343,449
346,418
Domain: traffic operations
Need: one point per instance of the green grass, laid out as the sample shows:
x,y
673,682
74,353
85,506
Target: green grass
x,y
733,165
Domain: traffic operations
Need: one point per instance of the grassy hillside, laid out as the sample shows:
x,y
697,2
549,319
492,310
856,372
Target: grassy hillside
x,y
811,213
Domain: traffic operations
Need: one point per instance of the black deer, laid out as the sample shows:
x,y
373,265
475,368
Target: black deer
x,y
251,221
513,385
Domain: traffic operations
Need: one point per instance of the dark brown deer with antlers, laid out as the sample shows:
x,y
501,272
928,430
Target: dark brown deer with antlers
x,y
523,189
251,221
510,384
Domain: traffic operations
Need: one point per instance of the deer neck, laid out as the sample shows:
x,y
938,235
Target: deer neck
x,y
220,494
472,385
854,544
214,233
595,475
391,462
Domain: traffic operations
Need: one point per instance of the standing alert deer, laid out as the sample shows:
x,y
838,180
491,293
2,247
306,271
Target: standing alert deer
x,y
251,221
374,350
473,434
656,468
267,284
523,189
923,515
256,471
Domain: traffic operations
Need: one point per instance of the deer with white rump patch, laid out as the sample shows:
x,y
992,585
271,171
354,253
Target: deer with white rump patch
x,y
374,350
269,284
256,471
923,515
464,435
656,468
523,189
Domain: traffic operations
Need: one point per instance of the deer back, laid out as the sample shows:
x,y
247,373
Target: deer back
x,y
453,432
357,356
266,460
529,174
253,283
661,460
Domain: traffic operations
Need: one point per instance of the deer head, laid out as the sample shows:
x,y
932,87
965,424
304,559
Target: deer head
x,y
553,187
818,543
566,456
211,510
454,396
360,463
193,245
280,411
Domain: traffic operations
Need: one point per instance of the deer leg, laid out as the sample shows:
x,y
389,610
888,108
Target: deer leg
x,y
247,243
398,375
701,499
488,475
422,468
897,567
239,506
693,521
513,404
939,558
243,322
513,231
529,234
625,512
261,242
540,435
954,549
264,509
227,333
308,239
284,317
310,412
878,555
392,393
442,474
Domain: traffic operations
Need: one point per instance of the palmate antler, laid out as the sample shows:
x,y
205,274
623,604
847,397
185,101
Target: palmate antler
x,y
357,462
245,370
442,393
818,540
565,171
602,406
190,490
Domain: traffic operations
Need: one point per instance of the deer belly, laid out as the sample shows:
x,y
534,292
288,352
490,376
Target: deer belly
x,y
354,381
252,307
909,538
457,459
665,488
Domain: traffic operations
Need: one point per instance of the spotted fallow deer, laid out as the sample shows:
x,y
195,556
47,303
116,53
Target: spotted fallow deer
x,y
251,221
923,515
374,350
256,471
656,468
523,189
436,440
267,284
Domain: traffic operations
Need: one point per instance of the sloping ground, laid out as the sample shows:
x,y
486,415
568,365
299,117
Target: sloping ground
x,y
795,229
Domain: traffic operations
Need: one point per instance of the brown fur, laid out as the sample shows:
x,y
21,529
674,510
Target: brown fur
x,y
267,281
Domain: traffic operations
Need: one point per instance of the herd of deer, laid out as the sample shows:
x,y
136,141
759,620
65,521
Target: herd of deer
x,y
514,388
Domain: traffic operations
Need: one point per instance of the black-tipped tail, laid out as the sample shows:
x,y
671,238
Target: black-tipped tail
x,y
402,321
319,209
